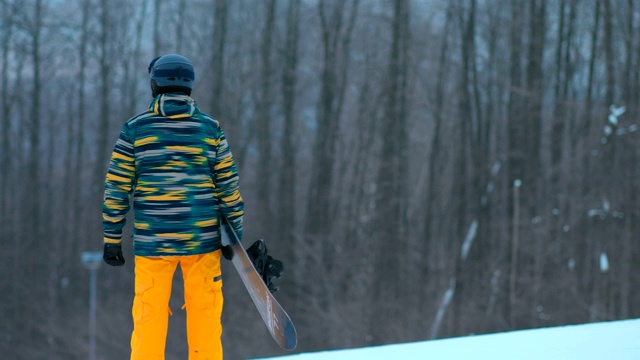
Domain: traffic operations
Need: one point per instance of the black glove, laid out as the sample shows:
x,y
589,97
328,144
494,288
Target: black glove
x,y
227,252
268,267
113,255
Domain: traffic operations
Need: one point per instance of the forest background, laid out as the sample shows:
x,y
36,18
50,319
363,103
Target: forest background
x,y
424,168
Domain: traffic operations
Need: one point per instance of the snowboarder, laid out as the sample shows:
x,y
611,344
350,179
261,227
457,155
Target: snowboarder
x,y
176,162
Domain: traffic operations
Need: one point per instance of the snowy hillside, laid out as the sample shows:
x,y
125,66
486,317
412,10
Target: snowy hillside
x,y
618,340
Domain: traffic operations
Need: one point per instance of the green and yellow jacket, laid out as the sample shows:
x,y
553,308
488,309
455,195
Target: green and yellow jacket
x,y
176,162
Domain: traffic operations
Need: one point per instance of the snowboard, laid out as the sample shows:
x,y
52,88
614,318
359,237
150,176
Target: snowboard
x,y
278,322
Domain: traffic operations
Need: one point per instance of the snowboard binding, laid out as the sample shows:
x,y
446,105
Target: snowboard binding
x,y
268,267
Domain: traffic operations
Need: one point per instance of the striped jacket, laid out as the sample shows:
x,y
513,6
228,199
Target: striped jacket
x,y
175,161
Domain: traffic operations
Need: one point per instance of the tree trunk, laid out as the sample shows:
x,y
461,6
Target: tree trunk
x,y
182,6
534,116
469,164
558,118
593,58
335,42
516,155
436,164
5,121
391,206
80,150
105,85
336,30
264,121
629,43
609,55
217,65
133,81
33,211
157,15
9,258
287,208
287,189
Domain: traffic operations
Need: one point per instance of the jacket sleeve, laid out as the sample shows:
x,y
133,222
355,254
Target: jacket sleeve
x,y
225,178
117,187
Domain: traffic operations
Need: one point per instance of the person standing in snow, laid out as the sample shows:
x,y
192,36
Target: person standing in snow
x,y
176,162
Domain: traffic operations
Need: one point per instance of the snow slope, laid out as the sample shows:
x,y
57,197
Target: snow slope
x,y
616,340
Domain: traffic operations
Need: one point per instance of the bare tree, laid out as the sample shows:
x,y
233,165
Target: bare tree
x,y
81,112
182,6
336,29
436,163
132,67
586,127
391,205
157,36
609,56
8,178
265,119
5,160
517,133
287,189
219,36
105,88
533,117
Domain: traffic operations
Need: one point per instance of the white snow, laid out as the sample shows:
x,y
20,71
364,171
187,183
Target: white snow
x,y
468,240
604,262
616,340
615,112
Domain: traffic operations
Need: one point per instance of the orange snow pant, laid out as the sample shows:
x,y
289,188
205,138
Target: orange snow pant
x,y
203,302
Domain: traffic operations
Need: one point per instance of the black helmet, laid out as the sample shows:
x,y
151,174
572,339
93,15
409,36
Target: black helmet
x,y
171,73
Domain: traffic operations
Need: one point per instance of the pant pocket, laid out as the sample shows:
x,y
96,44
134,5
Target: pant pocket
x,y
140,309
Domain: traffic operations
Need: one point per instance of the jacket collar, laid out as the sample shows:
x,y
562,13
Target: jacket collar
x,y
173,106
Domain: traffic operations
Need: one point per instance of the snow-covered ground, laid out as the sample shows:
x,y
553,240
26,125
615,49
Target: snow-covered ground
x,y
616,340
